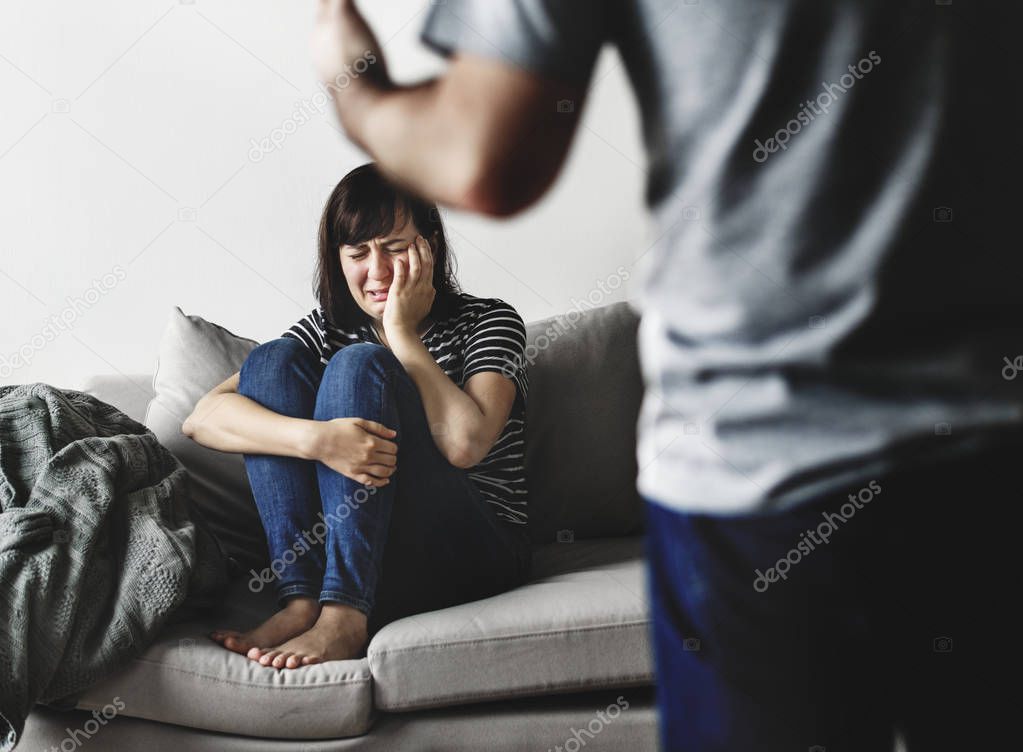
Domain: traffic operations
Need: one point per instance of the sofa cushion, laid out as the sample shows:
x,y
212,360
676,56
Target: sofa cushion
x,y
585,389
585,722
195,356
581,624
186,678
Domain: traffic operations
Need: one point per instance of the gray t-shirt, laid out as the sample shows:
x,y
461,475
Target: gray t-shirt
x,y
836,285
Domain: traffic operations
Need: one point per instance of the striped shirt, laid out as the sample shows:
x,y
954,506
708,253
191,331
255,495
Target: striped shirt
x,y
485,334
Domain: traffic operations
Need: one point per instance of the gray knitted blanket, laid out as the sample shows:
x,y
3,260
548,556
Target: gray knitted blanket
x,y
100,544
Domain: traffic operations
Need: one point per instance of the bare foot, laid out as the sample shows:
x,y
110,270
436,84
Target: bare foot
x,y
338,634
298,615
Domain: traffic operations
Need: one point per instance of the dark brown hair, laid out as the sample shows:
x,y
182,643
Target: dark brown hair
x,y
366,205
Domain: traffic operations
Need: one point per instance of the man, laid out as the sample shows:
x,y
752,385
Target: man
x,y
829,322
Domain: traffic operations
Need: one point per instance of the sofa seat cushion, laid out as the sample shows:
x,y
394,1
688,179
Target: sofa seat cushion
x,y
581,623
186,678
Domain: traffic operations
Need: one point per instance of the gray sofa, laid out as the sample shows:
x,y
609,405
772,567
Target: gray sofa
x,y
563,662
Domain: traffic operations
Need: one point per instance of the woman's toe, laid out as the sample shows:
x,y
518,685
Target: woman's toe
x,y
268,656
255,653
309,659
281,660
238,643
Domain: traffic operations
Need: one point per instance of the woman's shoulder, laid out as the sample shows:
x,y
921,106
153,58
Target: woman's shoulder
x,y
326,327
474,306
491,319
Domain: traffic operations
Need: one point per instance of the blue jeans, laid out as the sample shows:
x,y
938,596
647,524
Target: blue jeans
x,y
763,644
424,541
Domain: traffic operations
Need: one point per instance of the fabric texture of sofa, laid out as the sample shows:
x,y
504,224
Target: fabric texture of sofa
x,y
563,661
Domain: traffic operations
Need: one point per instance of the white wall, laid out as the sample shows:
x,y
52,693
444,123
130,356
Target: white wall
x,y
126,184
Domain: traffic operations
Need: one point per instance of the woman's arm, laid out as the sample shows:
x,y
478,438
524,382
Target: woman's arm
x,y
231,422
464,424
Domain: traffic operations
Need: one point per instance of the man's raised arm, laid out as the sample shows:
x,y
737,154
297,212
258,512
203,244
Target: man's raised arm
x,y
486,136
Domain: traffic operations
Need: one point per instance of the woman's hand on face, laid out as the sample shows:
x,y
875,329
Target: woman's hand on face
x,y
357,448
412,292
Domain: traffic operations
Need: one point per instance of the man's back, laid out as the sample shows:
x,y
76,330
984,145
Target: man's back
x,y
834,284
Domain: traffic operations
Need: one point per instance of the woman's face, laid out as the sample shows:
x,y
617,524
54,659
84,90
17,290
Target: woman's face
x,y
369,267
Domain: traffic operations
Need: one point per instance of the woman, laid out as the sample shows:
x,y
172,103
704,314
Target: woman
x,y
383,435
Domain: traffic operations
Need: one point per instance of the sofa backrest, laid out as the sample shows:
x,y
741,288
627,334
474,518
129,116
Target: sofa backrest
x,y
129,393
585,389
584,394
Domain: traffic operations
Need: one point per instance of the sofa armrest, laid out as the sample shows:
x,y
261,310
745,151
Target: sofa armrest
x,y
129,393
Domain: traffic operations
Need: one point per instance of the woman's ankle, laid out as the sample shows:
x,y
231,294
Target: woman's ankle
x,y
301,604
341,614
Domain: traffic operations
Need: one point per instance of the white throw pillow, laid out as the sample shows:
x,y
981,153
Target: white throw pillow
x,y
195,356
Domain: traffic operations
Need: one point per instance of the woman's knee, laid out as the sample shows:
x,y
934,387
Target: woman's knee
x,y
352,365
360,355
271,362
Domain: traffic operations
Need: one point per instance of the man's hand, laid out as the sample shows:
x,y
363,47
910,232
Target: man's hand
x,y
346,53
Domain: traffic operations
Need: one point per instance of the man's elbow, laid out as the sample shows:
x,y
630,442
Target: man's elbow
x,y
497,191
489,198
500,176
